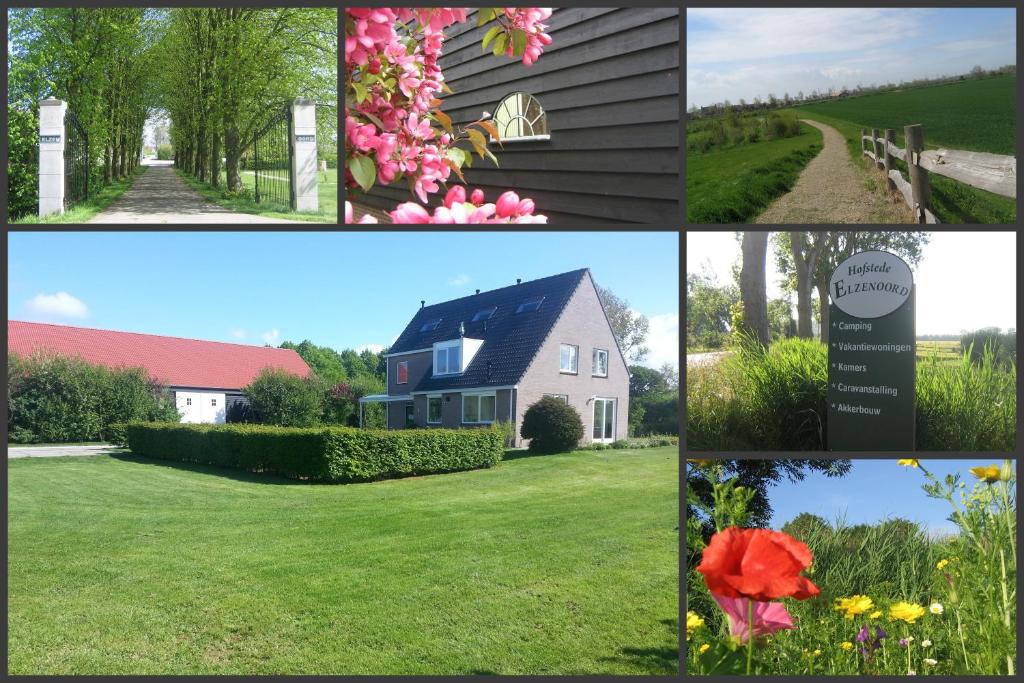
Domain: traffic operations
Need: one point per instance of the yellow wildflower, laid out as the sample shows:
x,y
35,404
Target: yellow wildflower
x,y
704,648
817,653
847,645
693,622
858,604
988,474
907,462
875,614
906,611
941,564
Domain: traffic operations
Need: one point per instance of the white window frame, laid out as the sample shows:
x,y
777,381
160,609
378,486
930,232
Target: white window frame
x,y
445,347
576,357
560,397
593,362
213,402
477,396
398,372
440,418
188,400
522,99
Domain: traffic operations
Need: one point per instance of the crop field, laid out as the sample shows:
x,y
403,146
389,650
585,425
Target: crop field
x,y
886,598
737,183
941,351
972,115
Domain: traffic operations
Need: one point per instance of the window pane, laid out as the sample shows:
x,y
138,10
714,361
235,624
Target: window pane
x,y
609,419
433,410
454,362
563,357
440,362
470,408
573,358
403,372
598,419
487,408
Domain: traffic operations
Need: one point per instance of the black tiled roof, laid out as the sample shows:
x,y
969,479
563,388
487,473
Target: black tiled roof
x,y
511,339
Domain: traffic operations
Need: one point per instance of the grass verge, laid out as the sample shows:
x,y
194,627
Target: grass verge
x,y
563,564
736,184
328,199
84,211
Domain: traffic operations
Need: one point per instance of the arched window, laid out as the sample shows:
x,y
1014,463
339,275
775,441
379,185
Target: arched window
x,y
520,117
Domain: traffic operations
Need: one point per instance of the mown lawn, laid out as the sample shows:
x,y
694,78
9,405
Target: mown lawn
x,y
542,565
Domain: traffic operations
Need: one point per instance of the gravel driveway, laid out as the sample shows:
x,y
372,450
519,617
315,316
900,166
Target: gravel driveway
x,y
58,451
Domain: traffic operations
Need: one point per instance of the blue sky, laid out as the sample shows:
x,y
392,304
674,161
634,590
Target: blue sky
x,y
343,290
873,490
734,53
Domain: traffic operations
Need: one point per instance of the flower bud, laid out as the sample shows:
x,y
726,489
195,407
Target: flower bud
x,y
507,204
456,195
477,197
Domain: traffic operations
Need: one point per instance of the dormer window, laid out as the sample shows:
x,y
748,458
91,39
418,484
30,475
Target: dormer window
x,y
448,358
530,305
430,325
484,314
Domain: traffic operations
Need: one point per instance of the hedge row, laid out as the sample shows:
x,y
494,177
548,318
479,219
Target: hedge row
x,y
334,454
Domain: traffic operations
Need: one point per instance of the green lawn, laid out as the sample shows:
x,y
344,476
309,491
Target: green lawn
x,y
542,565
91,207
327,189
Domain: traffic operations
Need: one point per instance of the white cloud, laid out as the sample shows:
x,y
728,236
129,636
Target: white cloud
x,y
459,280
59,305
239,333
663,340
270,336
373,348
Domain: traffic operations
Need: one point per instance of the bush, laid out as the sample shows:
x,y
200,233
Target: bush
x,y
282,399
1002,344
239,412
118,434
22,161
54,398
164,152
657,413
333,454
552,425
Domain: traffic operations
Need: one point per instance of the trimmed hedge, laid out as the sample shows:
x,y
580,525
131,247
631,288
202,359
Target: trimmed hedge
x,y
334,454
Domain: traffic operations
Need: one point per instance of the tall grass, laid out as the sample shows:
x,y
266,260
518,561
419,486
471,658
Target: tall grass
x,y
776,399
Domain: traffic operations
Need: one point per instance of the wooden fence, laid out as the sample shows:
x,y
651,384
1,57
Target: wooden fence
x,y
992,172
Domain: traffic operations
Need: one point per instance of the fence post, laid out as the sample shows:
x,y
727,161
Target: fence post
x,y
863,142
51,156
921,191
879,162
305,195
890,161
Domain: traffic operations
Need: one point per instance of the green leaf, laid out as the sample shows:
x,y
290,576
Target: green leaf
x,y
484,15
361,93
500,44
364,171
518,42
489,36
457,155
479,142
377,122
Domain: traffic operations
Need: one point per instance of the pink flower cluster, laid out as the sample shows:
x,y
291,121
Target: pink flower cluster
x,y
398,88
456,210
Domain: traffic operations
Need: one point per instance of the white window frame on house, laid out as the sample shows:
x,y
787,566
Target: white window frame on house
x,y
446,348
478,397
213,402
188,401
574,359
398,372
595,354
514,121
560,397
440,415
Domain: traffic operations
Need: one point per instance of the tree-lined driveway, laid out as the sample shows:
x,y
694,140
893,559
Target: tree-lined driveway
x,y
159,195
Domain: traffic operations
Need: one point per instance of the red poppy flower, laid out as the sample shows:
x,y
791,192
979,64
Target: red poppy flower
x,y
759,564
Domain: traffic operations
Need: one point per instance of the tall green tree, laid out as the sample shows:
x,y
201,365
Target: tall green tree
x,y
629,327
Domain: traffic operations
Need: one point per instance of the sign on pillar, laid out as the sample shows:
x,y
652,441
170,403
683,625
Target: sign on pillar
x,y
51,156
305,195
871,354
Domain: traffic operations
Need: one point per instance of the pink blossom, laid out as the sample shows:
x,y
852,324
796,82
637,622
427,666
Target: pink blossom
x,y
507,204
457,193
411,213
477,197
769,617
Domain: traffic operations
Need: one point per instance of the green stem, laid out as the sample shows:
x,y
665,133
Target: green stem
x,y
1006,515
960,630
750,635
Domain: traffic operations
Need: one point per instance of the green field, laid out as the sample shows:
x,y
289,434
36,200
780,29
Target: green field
x,y
327,187
976,115
735,184
563,564
942,351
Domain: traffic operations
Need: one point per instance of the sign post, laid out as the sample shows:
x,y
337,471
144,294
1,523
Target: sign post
x,y
871,354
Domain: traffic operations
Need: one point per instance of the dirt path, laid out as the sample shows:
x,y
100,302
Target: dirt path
x,y
160,196
832,189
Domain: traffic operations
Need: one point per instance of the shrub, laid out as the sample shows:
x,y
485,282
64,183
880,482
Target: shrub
x,y
239,412
118,434
335,454
164,152
285,400
1002,344
552,426
658,413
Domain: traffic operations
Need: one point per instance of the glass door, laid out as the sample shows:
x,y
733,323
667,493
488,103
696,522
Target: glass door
x,y
604,420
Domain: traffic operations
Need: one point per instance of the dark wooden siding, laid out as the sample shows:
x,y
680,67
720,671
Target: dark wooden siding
x,y
609,83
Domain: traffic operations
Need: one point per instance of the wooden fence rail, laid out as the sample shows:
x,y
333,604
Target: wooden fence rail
x,y
992,172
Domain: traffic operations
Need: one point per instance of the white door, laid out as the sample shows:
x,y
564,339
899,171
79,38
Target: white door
x,y
604,420
200,406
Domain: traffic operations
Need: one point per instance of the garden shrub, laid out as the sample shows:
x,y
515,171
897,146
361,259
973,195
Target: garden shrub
x,y
239,412
657,413
164,152
331,454
552,425
1002,344
282,399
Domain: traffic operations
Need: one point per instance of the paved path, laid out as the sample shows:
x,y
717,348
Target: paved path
x,y
58,451
160,196
833,190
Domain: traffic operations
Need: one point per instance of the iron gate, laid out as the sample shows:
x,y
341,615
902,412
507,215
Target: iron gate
x,y
76,161
272,160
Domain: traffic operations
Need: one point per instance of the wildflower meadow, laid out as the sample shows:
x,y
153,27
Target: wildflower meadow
x,y
886,599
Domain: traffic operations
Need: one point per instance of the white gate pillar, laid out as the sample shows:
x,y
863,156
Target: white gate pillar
x,y
51,156
305,195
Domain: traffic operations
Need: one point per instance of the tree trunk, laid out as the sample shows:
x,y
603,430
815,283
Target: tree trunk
x,y
232,153
753,290
804,265
215,160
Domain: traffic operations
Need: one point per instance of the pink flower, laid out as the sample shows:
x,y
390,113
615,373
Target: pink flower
x,y
507,204
411,213
457,194
477,197
769,617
